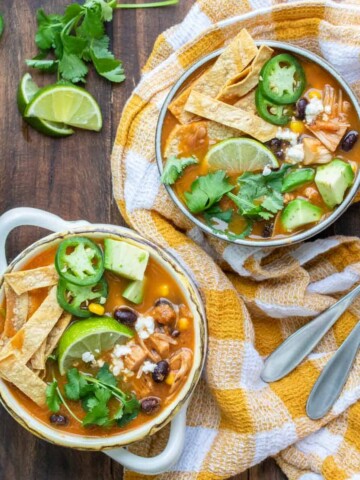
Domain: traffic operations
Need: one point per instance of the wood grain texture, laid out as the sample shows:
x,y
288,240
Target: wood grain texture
x,y
71,177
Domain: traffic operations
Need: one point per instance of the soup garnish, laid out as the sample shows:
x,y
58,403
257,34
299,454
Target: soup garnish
x,y
96,336
260,143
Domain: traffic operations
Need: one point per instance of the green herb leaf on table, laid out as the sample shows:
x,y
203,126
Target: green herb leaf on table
x,y
53,399
174,168
2,25
207,190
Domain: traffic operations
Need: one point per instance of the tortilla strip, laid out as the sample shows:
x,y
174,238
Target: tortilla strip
x,y
235,88
230,116
29,338
17,307
247,102
236,56
31,279
38,360
56,332
331,140
24,379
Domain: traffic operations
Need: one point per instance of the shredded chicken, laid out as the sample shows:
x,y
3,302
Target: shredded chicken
x,y
138,354
311,193
184,311
164,314
288,197
143,386
331,126
315,152
180,364
161,343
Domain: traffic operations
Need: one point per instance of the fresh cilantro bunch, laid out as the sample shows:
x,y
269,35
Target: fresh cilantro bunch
x,y
75,39
259,196
94,393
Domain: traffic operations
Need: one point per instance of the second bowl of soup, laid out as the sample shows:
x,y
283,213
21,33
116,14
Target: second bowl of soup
x,y
258,143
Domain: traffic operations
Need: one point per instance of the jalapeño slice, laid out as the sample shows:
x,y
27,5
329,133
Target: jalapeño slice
x,y
282,79
270,111
75,298
79,261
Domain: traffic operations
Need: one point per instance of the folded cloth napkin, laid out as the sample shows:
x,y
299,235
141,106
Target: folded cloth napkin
x,y
254,299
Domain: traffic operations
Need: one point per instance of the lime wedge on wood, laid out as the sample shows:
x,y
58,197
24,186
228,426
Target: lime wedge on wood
x,y
66,104
94,335
238,155
26,91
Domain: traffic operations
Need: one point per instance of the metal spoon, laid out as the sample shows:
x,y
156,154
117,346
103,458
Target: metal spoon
x,y
333,378
296,347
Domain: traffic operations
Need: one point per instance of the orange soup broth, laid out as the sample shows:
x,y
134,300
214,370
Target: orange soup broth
x,y
317,78
156,277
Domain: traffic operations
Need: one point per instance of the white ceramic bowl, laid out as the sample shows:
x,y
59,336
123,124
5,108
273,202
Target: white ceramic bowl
x,y
176,410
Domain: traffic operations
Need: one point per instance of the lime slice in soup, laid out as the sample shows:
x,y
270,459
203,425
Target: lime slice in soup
x,y
238,155
94,335
26,92
66,104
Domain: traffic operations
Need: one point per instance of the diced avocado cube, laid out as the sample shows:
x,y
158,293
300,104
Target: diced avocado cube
x,y
297,178
134,292
299,212
332,181
125,259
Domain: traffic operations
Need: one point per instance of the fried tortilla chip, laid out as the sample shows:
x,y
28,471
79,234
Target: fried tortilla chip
x,y
17,307
29,338
330,139
24,379
56,332
27,280
247,102
38,360
239,86
230,116
236,56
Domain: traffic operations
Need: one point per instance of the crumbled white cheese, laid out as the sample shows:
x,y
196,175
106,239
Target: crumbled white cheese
x,y
267,170
121,351
87,357
148,367
100,363
327,109
117,366
287,135
145,326
295,154
313,109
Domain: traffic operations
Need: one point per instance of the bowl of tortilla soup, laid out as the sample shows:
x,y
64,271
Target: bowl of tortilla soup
x,y
257,143
103,335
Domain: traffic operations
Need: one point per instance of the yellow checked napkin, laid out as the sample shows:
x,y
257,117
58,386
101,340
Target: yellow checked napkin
x,y
254,299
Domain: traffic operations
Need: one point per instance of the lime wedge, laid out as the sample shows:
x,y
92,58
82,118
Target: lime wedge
x,y
238,155
26,91
94,335
66,104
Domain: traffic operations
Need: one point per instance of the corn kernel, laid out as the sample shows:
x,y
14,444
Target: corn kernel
x,y
170,379
96,308
314,94
164,290
297,126
183,324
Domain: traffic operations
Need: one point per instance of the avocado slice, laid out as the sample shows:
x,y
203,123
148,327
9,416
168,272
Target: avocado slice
x,y
332,181
125,259
299,212
297,178
134,292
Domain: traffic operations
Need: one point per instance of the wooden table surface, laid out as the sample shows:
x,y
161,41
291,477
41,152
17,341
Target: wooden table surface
x,y
71,177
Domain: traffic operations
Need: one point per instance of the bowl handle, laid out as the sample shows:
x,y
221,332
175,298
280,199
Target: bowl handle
x,y
30,216
162,462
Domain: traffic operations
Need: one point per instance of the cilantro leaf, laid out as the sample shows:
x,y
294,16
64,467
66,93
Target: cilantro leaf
x,y
105,376
72,68
174,168
77,385
2,25
98,415
45,65
104,62
207,190
53,399
217,212
89,402
92,25
273,203
49,28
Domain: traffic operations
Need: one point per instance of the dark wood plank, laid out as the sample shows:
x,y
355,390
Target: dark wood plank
x,y
70,177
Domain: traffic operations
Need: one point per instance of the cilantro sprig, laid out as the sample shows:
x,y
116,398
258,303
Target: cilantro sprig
x,y
174,168
94,393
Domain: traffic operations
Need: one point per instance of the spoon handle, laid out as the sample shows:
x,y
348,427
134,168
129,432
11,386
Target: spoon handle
x,y
332,379
296,347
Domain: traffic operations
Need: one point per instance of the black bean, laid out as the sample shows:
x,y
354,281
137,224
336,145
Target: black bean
x,y
150,405
349,140
59,419
163,301
161,371
301,108
175,333
126,315
273,144
268,229
279,154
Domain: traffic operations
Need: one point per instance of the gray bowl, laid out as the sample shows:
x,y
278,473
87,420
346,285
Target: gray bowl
x,y
298,237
